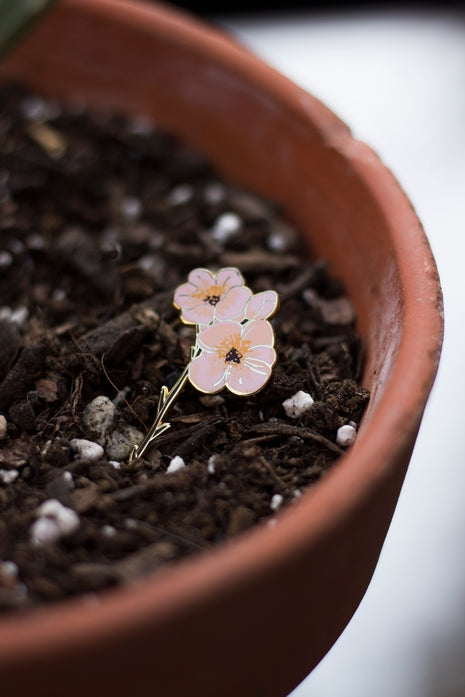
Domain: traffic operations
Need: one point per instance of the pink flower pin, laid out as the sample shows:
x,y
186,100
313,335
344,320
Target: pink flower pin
x,y
262,305
234,345
234,355
207,296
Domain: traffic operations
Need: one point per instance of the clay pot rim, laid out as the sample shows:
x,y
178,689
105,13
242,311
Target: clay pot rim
x,y
67,625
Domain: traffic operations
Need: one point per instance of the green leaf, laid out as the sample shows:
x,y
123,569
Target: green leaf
x,y
16,18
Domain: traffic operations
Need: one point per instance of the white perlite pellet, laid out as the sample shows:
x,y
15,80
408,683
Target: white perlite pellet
x,y
156,240
9,570
6,259
176,464
44,531
298,404
214,193
98,415
58,295
346,435
276,242
35,241
146,262
54,521
131,208
131,524
276,502
19,316
15,246
35,108
8,476
182,193
226,226
211,464
86,449
68,478
3,427
121,441
108,531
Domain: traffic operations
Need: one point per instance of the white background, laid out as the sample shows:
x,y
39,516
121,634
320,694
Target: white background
x,y
398,80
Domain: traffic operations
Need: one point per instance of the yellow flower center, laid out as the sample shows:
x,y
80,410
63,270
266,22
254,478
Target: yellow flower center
x,y
232,349
211,295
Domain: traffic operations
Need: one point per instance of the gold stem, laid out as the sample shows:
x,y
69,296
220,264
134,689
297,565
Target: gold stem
x,y
166,399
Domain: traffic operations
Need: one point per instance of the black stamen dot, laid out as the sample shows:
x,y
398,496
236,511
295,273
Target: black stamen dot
x,y
233,356
212,299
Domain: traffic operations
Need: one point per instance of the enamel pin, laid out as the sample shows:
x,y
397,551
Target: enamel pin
x,y
234,346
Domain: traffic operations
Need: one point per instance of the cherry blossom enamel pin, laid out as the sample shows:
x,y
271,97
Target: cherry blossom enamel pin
x,y
234,346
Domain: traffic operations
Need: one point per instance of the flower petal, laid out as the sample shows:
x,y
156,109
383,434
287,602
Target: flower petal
x,y
232,305
202,314
184,298
260,354
207,373
202,278
213,337
229,278
259,333
262,305
245,379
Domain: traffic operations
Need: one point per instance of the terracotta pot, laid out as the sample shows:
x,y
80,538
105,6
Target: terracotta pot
x,y
253,616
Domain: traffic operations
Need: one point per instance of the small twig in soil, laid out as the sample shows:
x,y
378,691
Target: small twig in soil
x,y
119,391
130,492
179,538
275,476
260,439
200,435
281,429
302,281
173,436
258,261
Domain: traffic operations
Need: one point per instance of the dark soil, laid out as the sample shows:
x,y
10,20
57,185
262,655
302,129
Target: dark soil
x,y
100,219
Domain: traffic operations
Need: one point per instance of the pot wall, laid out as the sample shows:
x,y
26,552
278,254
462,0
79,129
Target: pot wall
x,y
238,620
